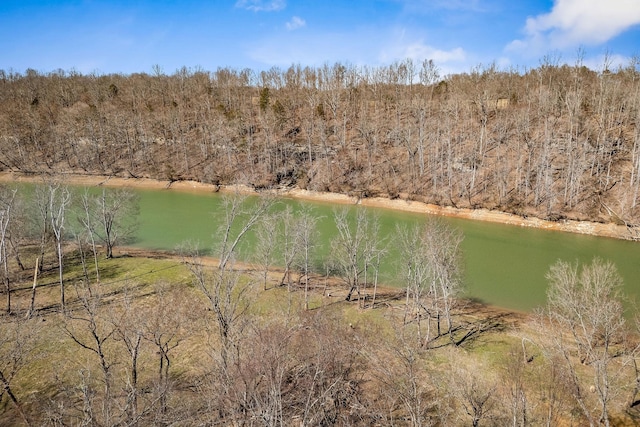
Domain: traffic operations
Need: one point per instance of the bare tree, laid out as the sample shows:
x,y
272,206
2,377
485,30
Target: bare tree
x,y
289,242
223,287
353,249
162,328
301,372
307,237
552,389
445,258
88,328
226,295
514,371
86,217
42,201
265,367
266,245
474,392
416,273
584,301
433,270
115,216
6,205
18,228
405,384
59,200
18,342
128,328
240,212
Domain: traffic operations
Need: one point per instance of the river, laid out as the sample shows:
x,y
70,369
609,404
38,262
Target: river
x,y
504,265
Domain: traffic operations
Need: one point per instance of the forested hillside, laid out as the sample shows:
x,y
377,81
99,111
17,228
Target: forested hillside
x,y
554,142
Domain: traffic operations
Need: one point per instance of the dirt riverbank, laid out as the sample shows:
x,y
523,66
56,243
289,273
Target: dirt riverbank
x,y
581,227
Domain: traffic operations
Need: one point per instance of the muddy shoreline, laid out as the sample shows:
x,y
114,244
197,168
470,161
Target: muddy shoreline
x,y
581,227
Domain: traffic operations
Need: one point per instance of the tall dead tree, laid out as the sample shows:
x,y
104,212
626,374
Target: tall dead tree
x,y
59,200
6,206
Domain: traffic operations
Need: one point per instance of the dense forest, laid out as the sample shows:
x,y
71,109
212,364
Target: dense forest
x,y
555,142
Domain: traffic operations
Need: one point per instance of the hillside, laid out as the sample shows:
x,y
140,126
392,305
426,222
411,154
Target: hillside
x,y
555,142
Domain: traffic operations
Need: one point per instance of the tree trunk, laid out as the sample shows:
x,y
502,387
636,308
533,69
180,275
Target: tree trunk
x,y
33,291
62,300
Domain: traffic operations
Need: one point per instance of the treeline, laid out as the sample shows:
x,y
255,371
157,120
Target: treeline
x,y
555,142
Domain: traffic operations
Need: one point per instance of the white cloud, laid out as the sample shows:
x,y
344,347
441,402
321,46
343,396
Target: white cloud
x,y
578,22
295,23
261,5
611,62
450,61
357,47
420,51
401,44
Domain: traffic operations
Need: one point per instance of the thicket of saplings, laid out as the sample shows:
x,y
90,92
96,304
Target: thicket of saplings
x,y
210,341
556,141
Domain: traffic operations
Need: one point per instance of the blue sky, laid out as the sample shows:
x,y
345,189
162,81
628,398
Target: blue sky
x,y
128,36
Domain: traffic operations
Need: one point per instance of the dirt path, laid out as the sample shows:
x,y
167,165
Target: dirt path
x,y
581,227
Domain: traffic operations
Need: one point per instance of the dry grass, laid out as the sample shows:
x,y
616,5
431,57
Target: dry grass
x,y
159,286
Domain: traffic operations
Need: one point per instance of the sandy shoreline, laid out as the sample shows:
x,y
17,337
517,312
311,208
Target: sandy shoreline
x,y
581,227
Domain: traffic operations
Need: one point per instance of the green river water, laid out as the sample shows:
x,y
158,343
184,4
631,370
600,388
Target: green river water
x,y
504,265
